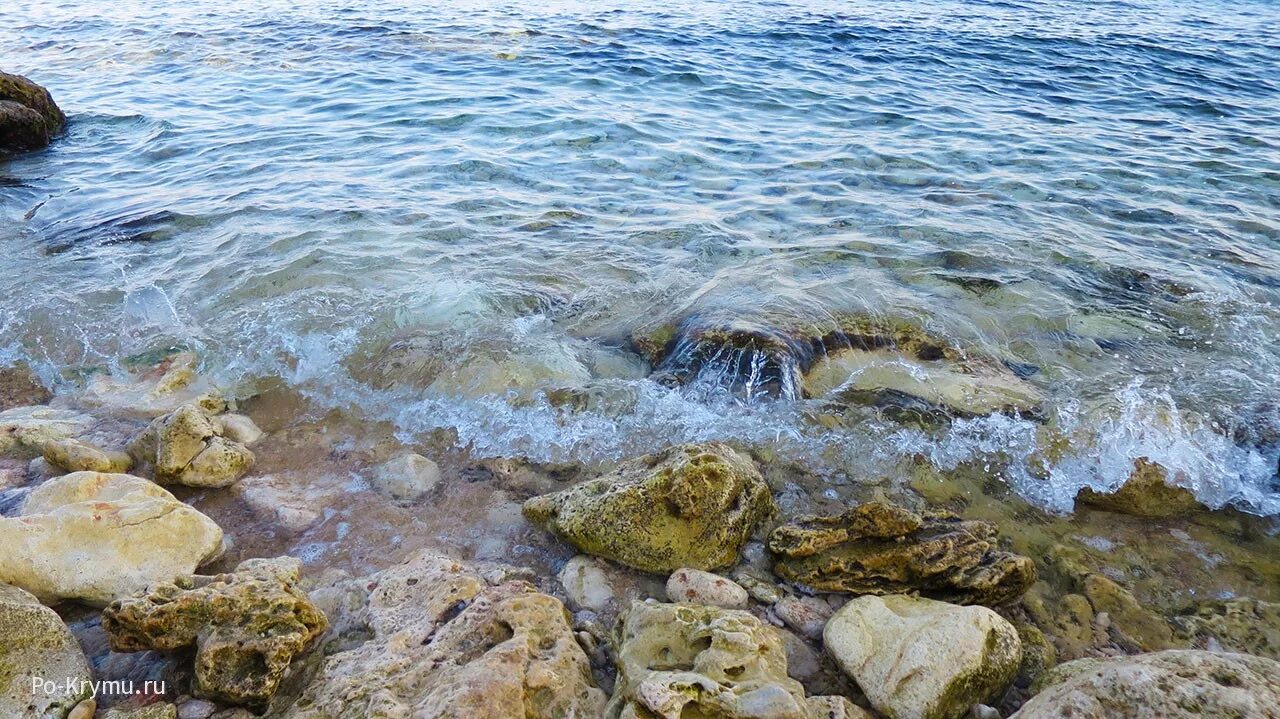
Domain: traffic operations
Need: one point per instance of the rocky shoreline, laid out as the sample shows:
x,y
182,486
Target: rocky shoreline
x,y
262,563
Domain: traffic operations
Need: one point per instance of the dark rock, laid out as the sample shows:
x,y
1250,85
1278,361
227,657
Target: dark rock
x,y
29,119
878,548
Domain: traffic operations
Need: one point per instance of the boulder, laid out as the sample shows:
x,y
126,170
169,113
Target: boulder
x,y
246,627
586,583
687,506
917,658
879,548
36,645
1174,684
74,455
98,537
406,477
29,119
686,660
187,447
24,431
1147,493
439,640
698,587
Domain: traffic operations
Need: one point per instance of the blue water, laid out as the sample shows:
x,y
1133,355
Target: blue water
x,y
505,192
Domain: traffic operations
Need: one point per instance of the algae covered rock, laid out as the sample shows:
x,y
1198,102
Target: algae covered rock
x,y
687,660
74,455
442,641
878,548
917,658
1175,684
692,505
1147,493
98,537
37,648
1242,624
246,627
187,447
29,119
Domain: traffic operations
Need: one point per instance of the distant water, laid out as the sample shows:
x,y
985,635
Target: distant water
x,y
497,194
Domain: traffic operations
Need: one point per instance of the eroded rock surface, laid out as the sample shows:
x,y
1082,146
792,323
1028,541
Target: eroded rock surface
x,y
36,645
917,658
878,548
687,506
246,627
1147,493
29,119
1176,684
686,660
98,537
187,447
445,642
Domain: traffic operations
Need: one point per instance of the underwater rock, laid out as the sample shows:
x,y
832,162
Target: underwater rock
x,y
19,387
406,477
36,645
247,627
443,641
187,447
698,587
687,660
918,658
878,548
1136,626
24,431
966,389
293,501
159,389
98,537
29,119
1242,624
1147,493
692,505
74,455
1175,684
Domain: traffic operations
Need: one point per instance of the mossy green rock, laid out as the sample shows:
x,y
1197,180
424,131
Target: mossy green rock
x,y
688,506
1242,624
29,119
1175,684
680,661
35,644
878,548
247,627
917,658
1147,493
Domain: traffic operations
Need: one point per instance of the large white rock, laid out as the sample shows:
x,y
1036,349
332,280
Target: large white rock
x,y
918,658
1175,684
24,431
36,645
98,537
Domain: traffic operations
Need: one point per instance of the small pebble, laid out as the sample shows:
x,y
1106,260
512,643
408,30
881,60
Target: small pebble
x,y
982,711
196,709
699,587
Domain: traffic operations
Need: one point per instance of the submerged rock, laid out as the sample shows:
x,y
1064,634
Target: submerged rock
x,y
74,455
35,646
246,627
158,389
98,537
878,548
684,660
686,506
1242,624
1147,493
917,658
1175,684
406,477
29,119
187,447
444,642
24,431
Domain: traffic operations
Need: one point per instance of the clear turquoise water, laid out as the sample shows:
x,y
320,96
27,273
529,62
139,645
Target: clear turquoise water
x,y
1091,189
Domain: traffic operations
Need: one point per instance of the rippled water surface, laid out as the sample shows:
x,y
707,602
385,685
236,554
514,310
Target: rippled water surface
x,y
453,215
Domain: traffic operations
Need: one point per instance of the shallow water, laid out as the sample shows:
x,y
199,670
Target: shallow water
x,y
497,195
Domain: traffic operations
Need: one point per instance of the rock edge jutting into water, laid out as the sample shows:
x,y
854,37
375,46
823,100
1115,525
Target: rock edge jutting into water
x,y
879,548
1147,493
246,627
686,506
29,119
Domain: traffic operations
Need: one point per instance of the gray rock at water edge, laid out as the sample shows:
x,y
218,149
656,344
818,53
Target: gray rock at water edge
x,y
29,118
